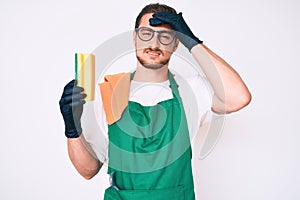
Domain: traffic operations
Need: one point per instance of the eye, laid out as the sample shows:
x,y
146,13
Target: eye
x,y
167,37
146,33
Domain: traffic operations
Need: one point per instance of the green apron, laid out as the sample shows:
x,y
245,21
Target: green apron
x,y
150,152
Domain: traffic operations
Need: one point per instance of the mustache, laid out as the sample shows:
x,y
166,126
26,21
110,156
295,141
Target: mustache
x,y
157,50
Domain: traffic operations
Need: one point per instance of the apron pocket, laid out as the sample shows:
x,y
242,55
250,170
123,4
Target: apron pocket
x,y
174,193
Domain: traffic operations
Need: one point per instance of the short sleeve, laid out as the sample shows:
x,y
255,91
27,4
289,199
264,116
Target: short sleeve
x,y
204,95
197,100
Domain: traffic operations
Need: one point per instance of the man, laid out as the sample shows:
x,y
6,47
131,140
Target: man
x,y
158,165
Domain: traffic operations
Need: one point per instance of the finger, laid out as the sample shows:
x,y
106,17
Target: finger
x,y
165,17
72,90
77,103
67,107
78,96
70,84
77,89
73,83
155,22
74,97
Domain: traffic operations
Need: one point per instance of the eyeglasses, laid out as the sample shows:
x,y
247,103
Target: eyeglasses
x,y
164,37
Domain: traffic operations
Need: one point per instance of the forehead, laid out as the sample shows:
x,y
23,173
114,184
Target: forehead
x,y
145,23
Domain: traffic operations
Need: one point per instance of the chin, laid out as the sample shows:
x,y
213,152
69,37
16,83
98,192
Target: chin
x,y
153,65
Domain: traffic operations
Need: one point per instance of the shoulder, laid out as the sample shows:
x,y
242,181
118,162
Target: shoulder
x,y
196,94
196,84
196,80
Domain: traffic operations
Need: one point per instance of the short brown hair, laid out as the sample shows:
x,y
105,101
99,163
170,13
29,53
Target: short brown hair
x,y
153,8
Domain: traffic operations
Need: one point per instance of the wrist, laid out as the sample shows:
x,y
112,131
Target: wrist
x,y
192,42
73,133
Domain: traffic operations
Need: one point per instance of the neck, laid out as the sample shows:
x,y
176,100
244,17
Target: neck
x,y
143,74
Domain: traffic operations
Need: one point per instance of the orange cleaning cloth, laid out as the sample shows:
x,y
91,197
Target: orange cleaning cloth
x,y
115,94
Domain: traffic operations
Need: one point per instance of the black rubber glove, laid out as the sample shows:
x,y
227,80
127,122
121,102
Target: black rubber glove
x,y
176,21
71,107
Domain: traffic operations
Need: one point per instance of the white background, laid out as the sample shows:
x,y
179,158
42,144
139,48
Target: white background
x,y
257,156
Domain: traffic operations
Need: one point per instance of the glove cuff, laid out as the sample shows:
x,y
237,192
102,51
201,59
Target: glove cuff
x,y
75,133
189,41
192,42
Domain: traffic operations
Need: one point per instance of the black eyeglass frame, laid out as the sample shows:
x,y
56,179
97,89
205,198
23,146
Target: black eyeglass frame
x,y
173,33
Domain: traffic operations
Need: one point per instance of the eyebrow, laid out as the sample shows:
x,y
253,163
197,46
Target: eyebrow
x,y
163,30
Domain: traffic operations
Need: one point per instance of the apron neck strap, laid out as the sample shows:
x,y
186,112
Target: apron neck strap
x,y
173,85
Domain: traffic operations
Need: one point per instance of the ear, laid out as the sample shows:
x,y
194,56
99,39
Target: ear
x,y
134,37
176,44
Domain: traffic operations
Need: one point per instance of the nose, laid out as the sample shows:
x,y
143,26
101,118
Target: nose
x,y
155,41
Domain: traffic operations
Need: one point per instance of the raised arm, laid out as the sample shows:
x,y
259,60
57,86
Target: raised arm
x,y
230,92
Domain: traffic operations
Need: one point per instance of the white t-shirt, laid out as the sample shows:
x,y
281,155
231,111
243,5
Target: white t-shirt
x,y
195,93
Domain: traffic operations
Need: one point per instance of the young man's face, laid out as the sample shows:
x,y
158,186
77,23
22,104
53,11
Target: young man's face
x,y
153,54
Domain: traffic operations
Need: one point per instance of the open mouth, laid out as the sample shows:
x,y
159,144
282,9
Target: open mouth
x,y
153,53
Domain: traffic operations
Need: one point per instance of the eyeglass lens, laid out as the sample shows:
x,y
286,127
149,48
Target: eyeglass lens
x,y
164,37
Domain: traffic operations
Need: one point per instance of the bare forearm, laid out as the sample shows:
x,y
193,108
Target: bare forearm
x,y
231,93
82,157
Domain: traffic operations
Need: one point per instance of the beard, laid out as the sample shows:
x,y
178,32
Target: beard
x,y
152,65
